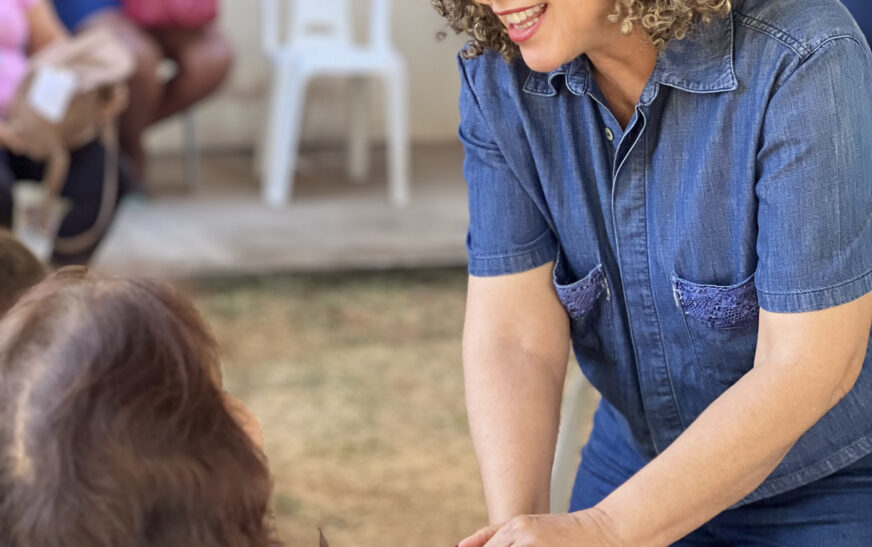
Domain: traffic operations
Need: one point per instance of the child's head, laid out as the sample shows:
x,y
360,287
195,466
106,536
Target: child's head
x,y
114,429
19,270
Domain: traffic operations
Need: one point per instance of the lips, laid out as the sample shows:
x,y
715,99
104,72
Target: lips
x,y
523,23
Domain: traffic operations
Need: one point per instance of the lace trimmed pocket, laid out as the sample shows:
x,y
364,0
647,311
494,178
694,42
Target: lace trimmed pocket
x,y
587,303
722,322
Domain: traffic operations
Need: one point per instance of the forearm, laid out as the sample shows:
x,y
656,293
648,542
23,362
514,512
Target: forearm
x,y
513,401
723,456
45,27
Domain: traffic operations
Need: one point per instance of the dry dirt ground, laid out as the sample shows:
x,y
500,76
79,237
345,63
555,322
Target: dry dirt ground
x,y
356,379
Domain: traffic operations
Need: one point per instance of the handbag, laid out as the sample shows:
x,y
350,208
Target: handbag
x,y
190,14
72,94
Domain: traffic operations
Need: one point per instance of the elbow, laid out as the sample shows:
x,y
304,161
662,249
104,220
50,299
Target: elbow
x,y
849,378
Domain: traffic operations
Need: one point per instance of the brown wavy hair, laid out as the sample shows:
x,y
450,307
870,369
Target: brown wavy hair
x,y
114,429
662,20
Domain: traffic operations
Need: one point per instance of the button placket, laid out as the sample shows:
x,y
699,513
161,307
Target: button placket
x,y
629,203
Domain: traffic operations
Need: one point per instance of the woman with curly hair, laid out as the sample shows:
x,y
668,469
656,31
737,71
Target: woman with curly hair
x,y
681,190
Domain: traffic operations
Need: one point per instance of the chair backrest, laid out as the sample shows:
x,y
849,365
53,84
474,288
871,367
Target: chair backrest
x,y
380,23
321,20
327,21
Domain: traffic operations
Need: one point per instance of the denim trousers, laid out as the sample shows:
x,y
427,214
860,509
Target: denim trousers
x,y
834,511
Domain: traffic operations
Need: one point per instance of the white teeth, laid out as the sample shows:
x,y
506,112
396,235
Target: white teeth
x,y
527,18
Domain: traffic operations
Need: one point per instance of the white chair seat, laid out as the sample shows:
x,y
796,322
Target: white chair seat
x,y
340,60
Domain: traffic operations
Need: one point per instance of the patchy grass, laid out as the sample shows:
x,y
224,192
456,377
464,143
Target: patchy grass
x,y
356,379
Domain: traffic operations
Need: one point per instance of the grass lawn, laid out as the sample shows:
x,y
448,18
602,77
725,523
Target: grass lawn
x,y
356,379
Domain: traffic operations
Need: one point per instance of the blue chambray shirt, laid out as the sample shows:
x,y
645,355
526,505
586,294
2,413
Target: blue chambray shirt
x,y
744,180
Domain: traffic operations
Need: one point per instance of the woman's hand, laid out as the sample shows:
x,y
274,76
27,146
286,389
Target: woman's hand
x,y
9,140
586,528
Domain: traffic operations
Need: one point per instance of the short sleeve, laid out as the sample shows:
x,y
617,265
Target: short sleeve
x,y
814,183
507,232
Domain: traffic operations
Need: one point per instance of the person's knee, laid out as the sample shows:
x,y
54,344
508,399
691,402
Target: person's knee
x,y
219,52
146,51
148,57
209,59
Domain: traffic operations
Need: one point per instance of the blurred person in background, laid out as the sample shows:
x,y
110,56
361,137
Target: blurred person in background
x,y
26,26
202,56
862,12
680,191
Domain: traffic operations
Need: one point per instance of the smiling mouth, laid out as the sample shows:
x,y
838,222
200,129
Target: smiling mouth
x,y
522,20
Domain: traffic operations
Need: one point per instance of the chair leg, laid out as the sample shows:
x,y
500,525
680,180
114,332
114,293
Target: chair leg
x,y
565,453
283,133
396,93
192,153
358,132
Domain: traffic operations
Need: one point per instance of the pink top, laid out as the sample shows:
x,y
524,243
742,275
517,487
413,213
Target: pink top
x,y
14,36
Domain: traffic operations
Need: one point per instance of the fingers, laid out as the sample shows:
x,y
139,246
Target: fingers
x,y
480,538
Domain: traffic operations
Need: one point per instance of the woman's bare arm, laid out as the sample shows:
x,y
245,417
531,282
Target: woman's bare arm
x,y
515,352
45,27
805,364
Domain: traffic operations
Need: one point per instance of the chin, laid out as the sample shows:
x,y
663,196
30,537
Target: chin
x,y
541,61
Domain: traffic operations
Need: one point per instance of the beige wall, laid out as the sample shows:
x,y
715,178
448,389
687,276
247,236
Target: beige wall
x,y
234,118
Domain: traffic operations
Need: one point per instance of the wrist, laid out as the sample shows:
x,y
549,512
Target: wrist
x,y
505,507
598,522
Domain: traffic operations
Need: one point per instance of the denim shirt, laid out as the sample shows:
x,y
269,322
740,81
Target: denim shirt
x,y
744,180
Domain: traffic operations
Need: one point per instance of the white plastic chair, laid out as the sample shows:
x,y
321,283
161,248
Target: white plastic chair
x,y
320,43
165,72
566,454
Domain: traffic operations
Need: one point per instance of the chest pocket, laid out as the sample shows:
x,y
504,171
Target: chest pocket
x,y
586,301
722,323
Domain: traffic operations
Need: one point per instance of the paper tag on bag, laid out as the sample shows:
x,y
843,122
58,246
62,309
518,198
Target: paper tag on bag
x,y
51,93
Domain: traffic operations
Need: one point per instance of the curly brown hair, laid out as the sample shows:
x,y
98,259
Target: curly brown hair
x,y
662,20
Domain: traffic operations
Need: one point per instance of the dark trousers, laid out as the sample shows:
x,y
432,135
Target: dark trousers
x,y
83,187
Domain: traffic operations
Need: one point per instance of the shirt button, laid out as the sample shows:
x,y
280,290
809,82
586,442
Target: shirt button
x,y
609,135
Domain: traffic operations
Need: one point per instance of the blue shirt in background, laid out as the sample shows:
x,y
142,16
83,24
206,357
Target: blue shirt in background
x,y
744,180
73,12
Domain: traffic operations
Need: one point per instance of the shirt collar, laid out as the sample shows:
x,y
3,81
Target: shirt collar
x,y
701,63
